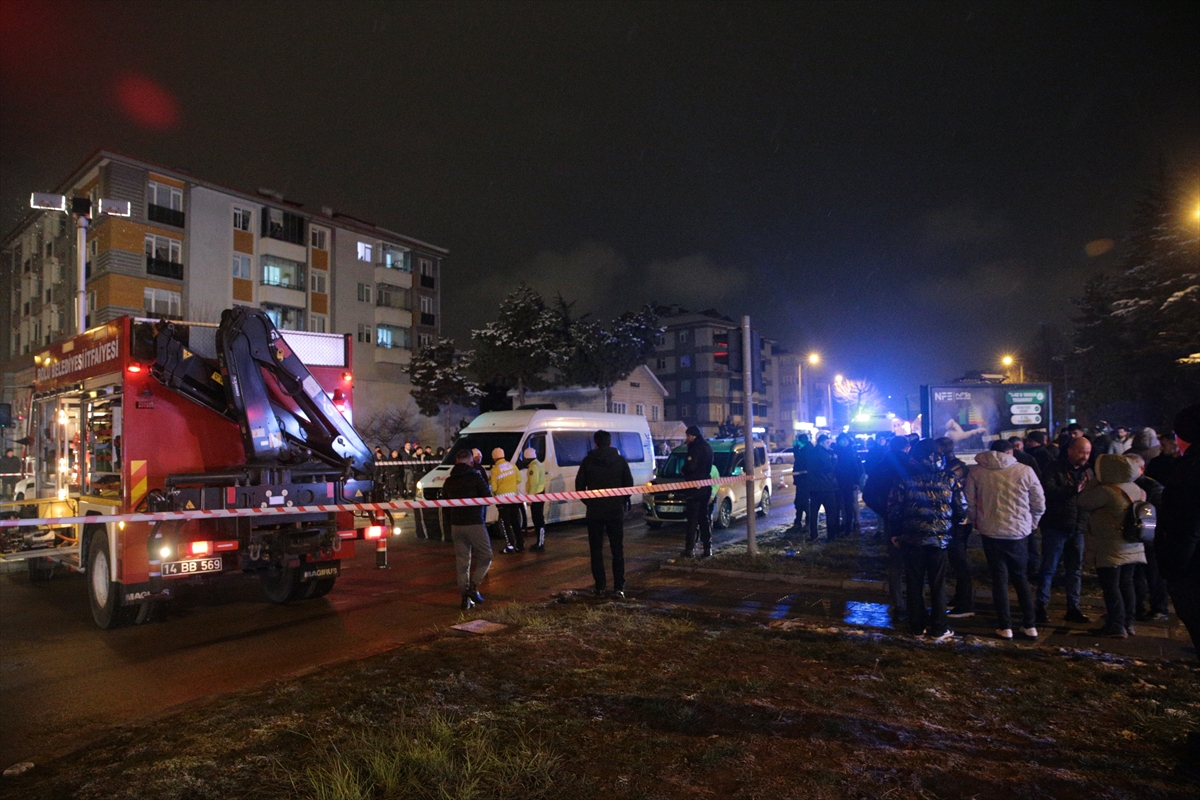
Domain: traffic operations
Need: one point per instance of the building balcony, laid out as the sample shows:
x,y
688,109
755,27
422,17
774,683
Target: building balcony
x,y
392,355
428,282
164,268
167,216
428,319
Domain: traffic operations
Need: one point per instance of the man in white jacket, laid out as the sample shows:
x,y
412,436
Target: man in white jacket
x,y
1004,503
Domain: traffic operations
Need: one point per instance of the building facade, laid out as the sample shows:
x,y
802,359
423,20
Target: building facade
x,y
191,248
692,362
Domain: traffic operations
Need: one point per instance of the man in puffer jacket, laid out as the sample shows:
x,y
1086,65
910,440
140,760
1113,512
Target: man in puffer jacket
x,y
1114,557
925,508
1004,502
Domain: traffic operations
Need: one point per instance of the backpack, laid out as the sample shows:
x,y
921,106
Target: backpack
x,y
1139,521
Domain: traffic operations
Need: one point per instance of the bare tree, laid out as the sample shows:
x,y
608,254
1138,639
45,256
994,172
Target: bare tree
x,y
390,427
857,394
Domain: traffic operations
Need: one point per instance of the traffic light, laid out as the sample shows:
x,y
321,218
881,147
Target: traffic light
x,y
721,353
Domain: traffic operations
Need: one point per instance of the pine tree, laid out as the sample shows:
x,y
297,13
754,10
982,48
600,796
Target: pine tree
x,y
600,355
519,348
1137,327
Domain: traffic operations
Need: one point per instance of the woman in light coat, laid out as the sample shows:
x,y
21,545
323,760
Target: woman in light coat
x,y
1108,499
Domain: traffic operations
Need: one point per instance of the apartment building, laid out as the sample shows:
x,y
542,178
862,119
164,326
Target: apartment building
x,y
692,362
191,248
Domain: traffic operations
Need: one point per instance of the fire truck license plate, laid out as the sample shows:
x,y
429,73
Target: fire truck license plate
x,y
193,566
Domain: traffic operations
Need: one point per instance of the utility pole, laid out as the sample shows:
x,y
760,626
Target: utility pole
x,y
748,418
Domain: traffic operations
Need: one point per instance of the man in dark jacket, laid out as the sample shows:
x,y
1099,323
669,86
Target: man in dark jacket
x,y
1177,538
800,478
925,507
697,467
605,468
880,482
472,548
823,484
1063,527
849,481
1035,446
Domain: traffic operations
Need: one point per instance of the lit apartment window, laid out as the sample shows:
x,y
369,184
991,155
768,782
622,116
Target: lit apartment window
x,y
685,361
618,408
395,258
393,336
317,281
161,303
241,219
285,318
242,268
364,293
283,272
319,238
365,252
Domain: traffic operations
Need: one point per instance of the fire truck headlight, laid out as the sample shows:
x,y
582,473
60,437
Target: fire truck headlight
x,y
165,552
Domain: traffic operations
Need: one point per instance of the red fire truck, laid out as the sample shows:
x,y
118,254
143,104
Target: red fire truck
x,y
151,416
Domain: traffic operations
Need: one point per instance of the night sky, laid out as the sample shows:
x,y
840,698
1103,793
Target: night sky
x,y
907,188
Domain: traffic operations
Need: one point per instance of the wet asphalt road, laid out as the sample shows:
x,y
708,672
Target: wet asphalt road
x,y
63,682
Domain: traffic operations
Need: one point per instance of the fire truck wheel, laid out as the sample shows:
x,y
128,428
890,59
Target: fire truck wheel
x,y
104,594
318,588
40,570
282,585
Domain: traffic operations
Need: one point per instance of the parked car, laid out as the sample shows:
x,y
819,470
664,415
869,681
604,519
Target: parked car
x,y
730,504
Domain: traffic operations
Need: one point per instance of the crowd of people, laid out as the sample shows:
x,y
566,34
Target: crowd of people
x,y
400,468
1037,505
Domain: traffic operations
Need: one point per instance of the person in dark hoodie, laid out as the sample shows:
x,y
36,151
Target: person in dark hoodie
x,y
697,467
606,468
925,508
823,486
472,548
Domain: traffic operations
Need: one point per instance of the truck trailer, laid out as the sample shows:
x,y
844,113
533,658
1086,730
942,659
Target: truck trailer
x,y
142,415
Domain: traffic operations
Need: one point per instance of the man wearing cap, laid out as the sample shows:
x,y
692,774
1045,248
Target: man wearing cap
x,y
505,478
697,467
1177,538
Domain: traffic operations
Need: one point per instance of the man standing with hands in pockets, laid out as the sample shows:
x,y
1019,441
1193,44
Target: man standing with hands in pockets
x,y
605,468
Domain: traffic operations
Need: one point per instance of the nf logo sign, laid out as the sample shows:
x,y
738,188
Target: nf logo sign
x,y
950,397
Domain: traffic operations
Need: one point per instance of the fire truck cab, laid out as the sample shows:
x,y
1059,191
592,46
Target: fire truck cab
x,y
142,415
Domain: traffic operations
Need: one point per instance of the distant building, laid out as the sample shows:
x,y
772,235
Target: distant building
x,y
193,247
692,362
640,392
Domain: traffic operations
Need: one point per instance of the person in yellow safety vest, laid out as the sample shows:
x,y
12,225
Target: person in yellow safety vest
x,y
505,479
535,483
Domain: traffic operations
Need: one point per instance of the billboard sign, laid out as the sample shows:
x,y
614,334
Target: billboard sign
x,y
976,414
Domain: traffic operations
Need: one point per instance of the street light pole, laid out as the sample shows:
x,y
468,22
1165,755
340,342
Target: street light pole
x,y
81,229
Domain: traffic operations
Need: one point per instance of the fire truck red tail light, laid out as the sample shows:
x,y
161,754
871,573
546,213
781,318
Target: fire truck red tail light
x,y
373,532
339,400
347,377
201,548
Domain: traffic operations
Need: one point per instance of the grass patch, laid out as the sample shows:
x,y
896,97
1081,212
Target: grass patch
x,y
580,700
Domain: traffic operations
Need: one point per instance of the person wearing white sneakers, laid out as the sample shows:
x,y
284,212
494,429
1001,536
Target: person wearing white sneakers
x,y
1005,501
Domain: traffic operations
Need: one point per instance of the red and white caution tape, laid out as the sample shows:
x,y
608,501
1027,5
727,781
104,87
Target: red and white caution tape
x,y
396,505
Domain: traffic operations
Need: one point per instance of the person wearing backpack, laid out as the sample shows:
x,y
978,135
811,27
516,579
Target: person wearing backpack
x,y
1109,501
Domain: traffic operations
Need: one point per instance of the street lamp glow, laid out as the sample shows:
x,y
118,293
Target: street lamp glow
x,y
838,378
814,358
1007,361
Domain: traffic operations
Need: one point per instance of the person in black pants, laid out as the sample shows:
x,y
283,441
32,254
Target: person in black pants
x,y
822,483
605,468
800,479
697,467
